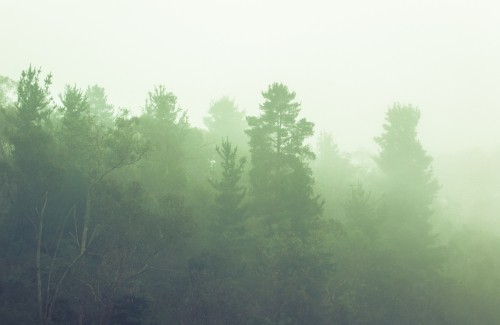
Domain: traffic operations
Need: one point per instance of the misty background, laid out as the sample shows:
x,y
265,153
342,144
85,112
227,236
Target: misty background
x,y
348,61
249,162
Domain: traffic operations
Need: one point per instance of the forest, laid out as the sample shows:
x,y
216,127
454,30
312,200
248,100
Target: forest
x,y
109,217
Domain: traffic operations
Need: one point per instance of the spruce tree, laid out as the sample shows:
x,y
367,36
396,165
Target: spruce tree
x,y
230,193
408,259
409,185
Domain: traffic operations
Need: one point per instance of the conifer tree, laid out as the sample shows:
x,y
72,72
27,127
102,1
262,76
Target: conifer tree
x,y
230,194
407,253
281,179
225,120
409,185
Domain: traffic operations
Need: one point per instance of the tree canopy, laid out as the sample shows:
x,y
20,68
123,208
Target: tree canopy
x,y
112,218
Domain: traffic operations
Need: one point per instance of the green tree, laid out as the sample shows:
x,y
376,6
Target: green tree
x,y
33,97
165,127
79,130
32,171
356,260
85,156
281,179
287,257
31,140
408,257
409,185
230,194
225,120
162,105
93,150
334,173
7,91
99,105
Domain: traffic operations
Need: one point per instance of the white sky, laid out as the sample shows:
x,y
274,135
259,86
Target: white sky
x,y
347,60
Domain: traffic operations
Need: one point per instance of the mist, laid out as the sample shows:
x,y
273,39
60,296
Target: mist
x,y
260,162
346,60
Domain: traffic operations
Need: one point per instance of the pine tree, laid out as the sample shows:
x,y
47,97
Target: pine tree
x,y
281,179
288,254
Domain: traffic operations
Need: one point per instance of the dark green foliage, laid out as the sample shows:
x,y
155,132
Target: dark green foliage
x,y
409,186
404,162
289,261
230,194
108,218
281,179
32,147
360,214
403,282
79,132
130,310
162,105
278,130
165,127
33,98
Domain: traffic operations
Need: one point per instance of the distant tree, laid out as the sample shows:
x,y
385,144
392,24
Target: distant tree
x,y
408,256
225,120
7,91
165,126
99,105
334,175
474,267
360,214
409,185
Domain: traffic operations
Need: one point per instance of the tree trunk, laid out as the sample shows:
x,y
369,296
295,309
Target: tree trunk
x,y
86,219
38,261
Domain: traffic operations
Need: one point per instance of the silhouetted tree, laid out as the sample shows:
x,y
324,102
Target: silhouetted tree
x,y
286,210
281,179
230,194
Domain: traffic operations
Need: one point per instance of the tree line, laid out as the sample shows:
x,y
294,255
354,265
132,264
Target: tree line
x,y
112,218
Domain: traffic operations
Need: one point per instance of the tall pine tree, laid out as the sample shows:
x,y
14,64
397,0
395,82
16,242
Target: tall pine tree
x,y
288,258
281,179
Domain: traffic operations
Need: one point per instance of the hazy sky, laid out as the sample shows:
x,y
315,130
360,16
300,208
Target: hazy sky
x,y
347,60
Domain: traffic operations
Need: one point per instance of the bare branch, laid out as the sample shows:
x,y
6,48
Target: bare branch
x,y
76,228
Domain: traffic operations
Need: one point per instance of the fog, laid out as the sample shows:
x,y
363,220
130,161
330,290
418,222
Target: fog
x,y
249,162
348,61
